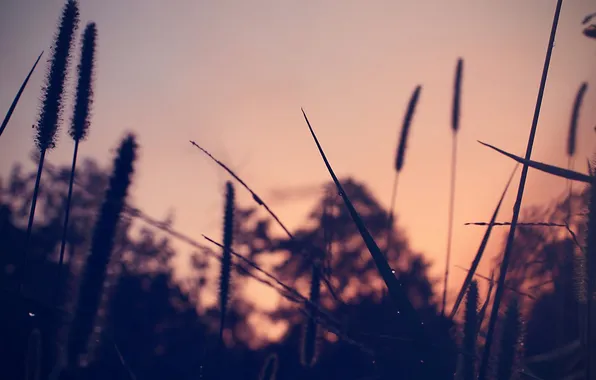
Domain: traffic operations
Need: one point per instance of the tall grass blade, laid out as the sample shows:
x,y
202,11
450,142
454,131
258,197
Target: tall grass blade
x,y
483,244
516,209
393,284
17,97
550,169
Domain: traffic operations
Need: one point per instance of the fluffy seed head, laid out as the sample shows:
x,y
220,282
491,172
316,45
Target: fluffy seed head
x,y
401,148
52,92
84,96
457,95
91,288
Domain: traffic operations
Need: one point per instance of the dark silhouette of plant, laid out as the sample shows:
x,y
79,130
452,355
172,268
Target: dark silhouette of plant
x,y
400,156
226,263
81,117
308,352
51,109
470,329
101,250
572,137
552,345
481,249
168,340
483,371
507,366
575,119
432,363
455,118
587,280
17,97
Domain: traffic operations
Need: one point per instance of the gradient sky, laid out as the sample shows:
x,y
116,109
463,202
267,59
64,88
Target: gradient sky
x,y
232,75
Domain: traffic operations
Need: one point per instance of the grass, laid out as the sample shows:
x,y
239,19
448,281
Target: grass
x,y
506,364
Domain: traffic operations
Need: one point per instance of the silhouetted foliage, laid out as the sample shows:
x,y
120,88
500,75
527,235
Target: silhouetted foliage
x,y
154,324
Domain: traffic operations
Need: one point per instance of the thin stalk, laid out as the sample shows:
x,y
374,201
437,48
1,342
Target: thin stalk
x,y
450,226
67,213
31,218
569,189
400,157
260,202
516,208
391,210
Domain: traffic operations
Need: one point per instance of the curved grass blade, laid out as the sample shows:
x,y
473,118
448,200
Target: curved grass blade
x,y
262,203
558,352
492,281
550,169
393,284
17,97
481,249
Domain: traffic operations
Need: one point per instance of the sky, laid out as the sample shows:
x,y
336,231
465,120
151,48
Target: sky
x,y
233,75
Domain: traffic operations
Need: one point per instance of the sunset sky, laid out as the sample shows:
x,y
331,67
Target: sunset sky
x,y
232,75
